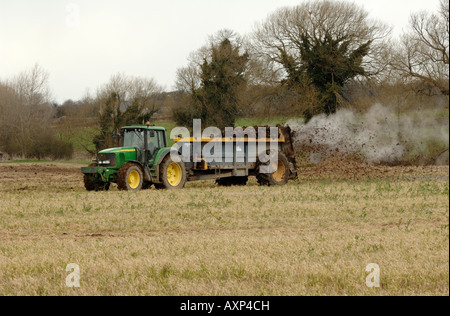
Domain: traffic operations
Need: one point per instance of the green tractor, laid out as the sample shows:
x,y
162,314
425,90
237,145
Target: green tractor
x,y
142,160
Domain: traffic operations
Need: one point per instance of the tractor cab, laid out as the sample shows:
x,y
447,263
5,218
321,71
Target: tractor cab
x,y
146,140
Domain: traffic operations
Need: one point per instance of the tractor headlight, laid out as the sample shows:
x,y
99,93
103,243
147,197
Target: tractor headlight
x,y
106,160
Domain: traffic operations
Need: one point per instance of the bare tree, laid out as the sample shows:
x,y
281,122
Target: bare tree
x,y
423,52
122,101
284,31
32,86
34,110
188,78
26,114
10,109
131,91
331,42
214,82
143,94
28,108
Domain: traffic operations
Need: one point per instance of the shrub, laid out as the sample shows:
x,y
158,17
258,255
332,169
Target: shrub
x,y
47,145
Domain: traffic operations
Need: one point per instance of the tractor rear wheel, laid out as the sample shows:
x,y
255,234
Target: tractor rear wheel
x,y
172,174
130,178
280,176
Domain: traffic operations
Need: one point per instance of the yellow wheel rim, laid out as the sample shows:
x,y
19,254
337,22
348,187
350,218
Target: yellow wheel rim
x,y
174,174
281,171
134,179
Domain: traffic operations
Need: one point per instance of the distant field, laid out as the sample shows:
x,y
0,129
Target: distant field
x,y
314,236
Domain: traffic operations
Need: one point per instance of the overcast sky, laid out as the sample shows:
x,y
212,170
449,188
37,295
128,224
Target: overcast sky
x,y
81,43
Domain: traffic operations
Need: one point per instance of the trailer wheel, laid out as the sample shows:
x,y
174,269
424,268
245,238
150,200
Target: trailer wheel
x,y
172,174
130,178
91,185
279,177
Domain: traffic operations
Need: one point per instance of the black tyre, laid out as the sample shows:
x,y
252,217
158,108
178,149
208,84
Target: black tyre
x,y
172,174
91,184
279,177
130,178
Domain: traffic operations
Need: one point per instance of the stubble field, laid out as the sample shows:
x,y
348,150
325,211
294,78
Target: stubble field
x,y
314,236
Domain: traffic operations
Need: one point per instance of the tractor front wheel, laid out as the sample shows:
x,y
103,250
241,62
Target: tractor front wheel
x,y
130,178
92,185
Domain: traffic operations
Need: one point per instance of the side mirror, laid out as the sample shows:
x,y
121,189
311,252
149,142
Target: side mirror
x,y
152,133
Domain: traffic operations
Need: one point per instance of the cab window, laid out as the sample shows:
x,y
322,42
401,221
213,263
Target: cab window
x,y
133,138
157,139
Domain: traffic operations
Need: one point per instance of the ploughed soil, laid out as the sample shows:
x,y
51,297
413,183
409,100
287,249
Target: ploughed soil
x,y
60,177
36,176
350,168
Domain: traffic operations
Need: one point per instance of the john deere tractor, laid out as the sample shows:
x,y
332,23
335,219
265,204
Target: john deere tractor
x,y
144,159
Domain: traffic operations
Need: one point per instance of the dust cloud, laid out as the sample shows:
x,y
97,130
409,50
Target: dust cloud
x,y
378,136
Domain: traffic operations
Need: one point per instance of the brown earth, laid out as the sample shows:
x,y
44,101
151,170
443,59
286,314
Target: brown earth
x,y
60,177
348,168
32,176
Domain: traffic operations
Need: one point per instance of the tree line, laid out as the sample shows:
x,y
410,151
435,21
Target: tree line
x,y
311,59
26,118
301,61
